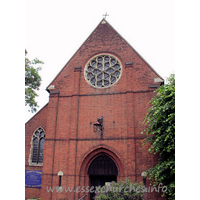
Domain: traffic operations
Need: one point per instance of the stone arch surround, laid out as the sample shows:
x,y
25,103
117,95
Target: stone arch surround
x,y
90,156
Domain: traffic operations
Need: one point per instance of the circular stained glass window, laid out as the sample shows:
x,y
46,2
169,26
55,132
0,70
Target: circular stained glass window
x,y
103,71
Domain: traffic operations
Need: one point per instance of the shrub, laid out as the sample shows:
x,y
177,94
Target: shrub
x,y
120,191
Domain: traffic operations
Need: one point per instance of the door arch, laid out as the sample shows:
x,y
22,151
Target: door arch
x,y
89,156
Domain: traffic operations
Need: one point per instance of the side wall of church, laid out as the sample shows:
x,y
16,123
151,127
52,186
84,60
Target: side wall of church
x,y
39,120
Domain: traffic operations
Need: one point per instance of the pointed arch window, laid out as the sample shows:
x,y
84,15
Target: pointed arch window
x,y
38,141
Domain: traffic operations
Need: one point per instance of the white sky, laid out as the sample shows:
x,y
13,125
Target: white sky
x,y
54,30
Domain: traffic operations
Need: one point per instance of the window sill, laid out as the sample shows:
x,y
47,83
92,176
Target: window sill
x,y
34,164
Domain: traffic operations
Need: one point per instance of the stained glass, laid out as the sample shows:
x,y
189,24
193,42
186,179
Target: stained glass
x,y
38,146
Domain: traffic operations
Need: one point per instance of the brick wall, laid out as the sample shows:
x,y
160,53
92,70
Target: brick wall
x,y
39,120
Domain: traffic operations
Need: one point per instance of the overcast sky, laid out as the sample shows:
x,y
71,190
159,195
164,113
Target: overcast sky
x,y
54,30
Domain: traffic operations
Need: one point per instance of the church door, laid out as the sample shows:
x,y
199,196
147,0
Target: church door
x,y
101,170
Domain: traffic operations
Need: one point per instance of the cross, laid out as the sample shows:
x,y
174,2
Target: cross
x,y
105,15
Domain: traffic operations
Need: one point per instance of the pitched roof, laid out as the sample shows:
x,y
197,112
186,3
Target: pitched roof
x,y
37,113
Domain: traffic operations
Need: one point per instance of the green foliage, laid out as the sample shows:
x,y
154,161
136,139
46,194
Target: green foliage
x,y
120,191
160,120
32,81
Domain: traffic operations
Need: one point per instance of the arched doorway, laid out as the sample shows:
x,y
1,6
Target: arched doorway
x,y
101,170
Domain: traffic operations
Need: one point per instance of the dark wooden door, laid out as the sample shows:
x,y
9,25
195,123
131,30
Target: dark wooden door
x,y
101,170
100,181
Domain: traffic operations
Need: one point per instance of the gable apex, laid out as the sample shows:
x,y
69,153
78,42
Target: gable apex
x,y
102,33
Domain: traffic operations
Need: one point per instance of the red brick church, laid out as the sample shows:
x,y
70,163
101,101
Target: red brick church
x,y
89,132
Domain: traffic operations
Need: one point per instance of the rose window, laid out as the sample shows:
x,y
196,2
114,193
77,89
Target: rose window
x,y
103,71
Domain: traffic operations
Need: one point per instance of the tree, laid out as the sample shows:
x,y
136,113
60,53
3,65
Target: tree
x,y
160,120
32,81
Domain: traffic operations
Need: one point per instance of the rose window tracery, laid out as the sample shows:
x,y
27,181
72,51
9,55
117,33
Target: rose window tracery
x,y
103,71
